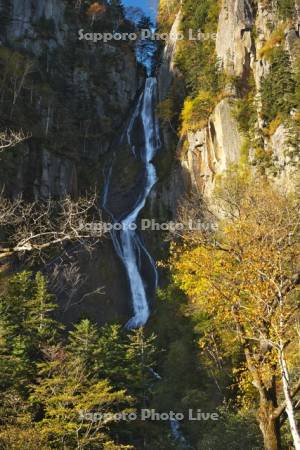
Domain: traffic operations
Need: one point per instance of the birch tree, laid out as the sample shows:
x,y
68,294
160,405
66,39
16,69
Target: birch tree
x,y
246,277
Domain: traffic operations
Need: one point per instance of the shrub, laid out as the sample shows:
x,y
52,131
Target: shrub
x,y
276,39
286,8
245,113
196,111
274,124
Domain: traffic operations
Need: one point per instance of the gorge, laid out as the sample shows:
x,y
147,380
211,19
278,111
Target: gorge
x,y
201,127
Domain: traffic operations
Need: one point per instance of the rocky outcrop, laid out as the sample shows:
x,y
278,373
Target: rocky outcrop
x,y
25,17
284,170
73,98
244,37
203,155
213,149
233,44
167,70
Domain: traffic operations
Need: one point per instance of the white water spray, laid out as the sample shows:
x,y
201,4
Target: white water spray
x,y
126,241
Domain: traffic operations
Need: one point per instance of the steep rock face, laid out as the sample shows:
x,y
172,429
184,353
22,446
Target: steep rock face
x,y
203,155
285,160
284,156
167,70
24,16
49,175
233,44
73,97
263,19
247,31
212,149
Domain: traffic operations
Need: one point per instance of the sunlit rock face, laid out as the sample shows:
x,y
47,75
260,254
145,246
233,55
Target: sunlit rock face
x,y
212,149
233,44
244,28
167,70
286,160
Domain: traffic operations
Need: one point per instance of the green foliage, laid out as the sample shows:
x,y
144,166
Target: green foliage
x,y
196,111
245,108
234,431
140,357
25,325
197,60
245,113
49,381
278,88
167,10
286,8
191,379
200,67
65,392
83,342
297,77
198,63
200,15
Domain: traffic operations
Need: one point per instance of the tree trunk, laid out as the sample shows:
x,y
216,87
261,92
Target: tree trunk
x,y
268,425
288,399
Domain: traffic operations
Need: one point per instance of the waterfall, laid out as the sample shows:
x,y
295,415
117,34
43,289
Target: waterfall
x,y
127,242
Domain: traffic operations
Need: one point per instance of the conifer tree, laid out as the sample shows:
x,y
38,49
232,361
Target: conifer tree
x,y
26,326
67,396
84,343
140,358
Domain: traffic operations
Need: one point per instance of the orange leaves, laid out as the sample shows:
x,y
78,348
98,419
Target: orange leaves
x,y
96,9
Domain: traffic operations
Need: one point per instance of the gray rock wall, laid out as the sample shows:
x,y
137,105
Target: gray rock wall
x,y
81,94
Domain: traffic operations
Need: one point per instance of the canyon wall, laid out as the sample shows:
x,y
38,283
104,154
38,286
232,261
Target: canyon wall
x,y
247,32
71,98
69,95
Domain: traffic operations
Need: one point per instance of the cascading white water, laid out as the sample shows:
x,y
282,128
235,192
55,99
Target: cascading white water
x,y
126,241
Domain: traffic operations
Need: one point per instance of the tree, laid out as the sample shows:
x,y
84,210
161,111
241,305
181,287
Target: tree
x,y
34,227
116,10
26,325
140,357
65,394
10,138
49,393
95,11
196,111
245,277
278,87
84,343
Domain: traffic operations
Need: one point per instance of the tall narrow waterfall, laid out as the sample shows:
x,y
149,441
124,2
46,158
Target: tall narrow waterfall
x,y
127,241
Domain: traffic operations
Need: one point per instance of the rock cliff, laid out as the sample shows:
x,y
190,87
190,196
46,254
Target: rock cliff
x,y
70,95
257,43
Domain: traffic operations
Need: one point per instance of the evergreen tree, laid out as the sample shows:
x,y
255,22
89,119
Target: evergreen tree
x,y
111,355
140,358
84,343
26,326
66,396
278,88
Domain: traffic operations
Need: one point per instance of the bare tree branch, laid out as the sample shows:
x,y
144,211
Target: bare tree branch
x,y
10,138
37,226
